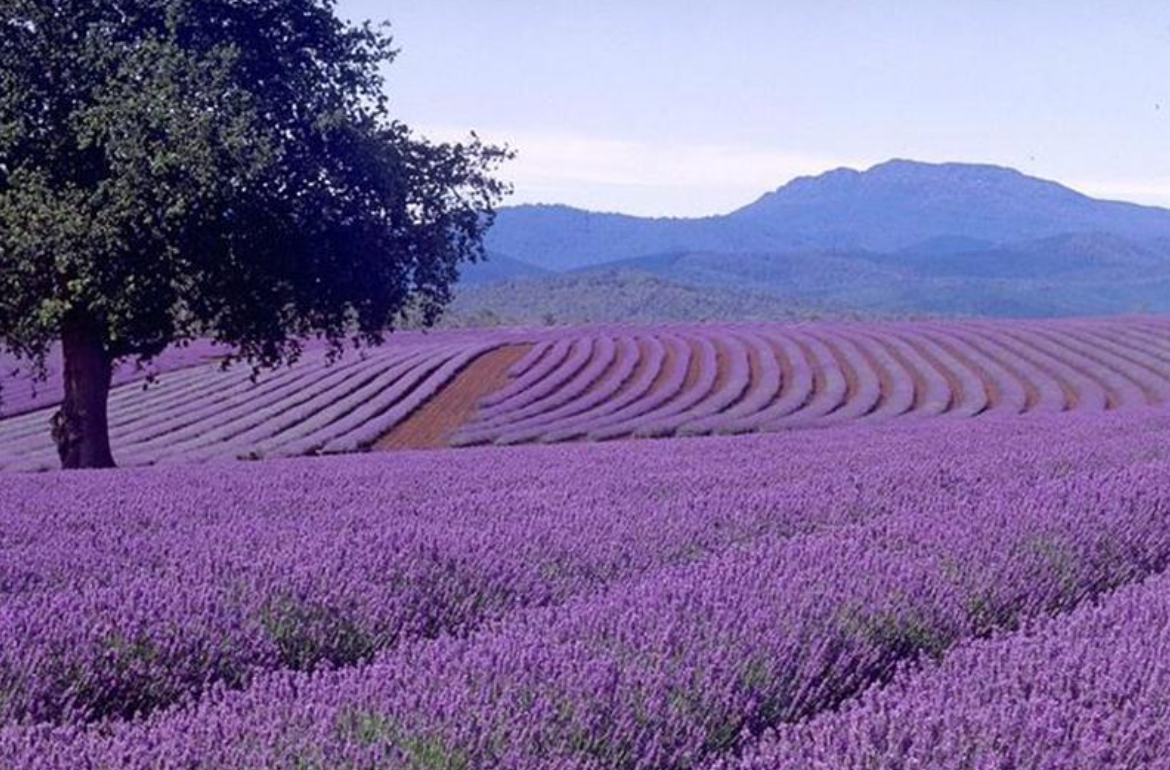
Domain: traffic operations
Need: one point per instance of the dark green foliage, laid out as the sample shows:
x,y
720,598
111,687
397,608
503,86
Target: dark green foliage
x,y
172,169
183,167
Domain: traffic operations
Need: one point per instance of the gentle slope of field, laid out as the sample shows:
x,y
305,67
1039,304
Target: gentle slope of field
x,y
617,381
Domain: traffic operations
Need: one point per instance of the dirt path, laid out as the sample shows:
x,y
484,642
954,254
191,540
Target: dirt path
x,y
452,406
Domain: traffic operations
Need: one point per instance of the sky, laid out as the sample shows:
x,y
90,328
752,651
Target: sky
x,y
678,108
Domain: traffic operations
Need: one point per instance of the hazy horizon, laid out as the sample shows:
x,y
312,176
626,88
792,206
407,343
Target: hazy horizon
x,y
681,109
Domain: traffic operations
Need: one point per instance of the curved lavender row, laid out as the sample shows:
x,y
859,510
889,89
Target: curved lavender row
x,y
687,662
215,593
1155,325
1010,375
529,401
22,394
1087,393
1146,356
898,390
686,396
736,378
1114,389
796,389
935,396
1150,375
550,361
529,359
1152,344
645,374
862,401
198,384
624,363
376,428
247,425
969,397
825,399
160,411
1091,689
1130,384
580,373
763,389
671,376
123,398
354,410
885,388
130,403
182,421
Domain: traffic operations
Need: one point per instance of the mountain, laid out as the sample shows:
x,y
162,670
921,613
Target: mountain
x,y
896,205
901,202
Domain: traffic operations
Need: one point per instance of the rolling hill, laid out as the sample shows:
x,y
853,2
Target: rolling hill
x,y
618,295
1073,274
608,381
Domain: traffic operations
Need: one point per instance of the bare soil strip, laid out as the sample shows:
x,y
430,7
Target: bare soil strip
x,y
432,423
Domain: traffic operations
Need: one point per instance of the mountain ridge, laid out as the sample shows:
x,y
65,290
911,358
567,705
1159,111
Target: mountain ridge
x,y
888,206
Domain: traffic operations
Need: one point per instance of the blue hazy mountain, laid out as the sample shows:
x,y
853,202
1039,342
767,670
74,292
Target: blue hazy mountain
x,y
892,206
497,268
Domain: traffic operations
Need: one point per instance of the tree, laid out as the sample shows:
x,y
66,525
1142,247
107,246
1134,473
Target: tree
x,y
175,169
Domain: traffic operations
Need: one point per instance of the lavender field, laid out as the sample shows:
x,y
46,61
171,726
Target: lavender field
x,y
535,385
584,386
917,593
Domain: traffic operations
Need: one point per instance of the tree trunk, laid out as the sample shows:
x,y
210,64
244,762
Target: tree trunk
x,y
80,427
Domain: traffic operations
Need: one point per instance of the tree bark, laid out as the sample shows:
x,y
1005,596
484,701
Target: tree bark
x,y
81,427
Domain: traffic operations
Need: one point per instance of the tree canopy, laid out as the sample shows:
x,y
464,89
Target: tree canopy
x,y
174,169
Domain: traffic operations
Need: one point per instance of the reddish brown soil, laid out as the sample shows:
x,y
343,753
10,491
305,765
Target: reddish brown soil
x,y
431,425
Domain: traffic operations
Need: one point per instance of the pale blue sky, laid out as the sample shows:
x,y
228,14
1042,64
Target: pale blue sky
x,y
683,108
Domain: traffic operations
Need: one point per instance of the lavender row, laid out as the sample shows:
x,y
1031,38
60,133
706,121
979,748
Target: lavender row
x,y
203,413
